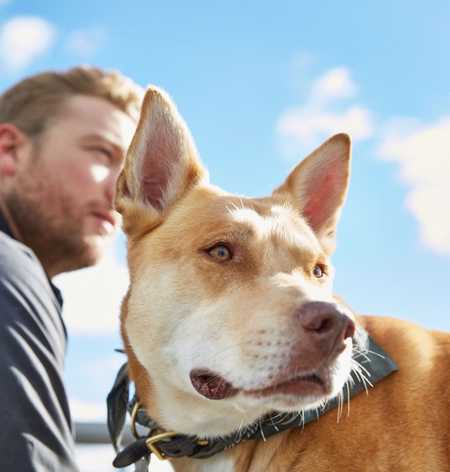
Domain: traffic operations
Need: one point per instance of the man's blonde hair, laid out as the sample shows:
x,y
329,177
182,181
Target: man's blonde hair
x,y
31,103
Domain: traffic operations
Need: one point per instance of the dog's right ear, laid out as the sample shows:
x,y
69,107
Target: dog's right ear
x,y
162,163
318,185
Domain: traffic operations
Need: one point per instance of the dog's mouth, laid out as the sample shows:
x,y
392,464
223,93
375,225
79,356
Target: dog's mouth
x,y
211,385
214,387
300,385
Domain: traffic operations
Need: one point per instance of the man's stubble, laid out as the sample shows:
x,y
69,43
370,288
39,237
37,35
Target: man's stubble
x,y
49,219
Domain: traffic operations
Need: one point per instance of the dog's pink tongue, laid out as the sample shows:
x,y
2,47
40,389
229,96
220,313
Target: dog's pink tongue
x,y
210,385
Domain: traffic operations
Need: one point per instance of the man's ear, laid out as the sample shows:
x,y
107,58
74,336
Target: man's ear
x,y
162,163
10,139
318,185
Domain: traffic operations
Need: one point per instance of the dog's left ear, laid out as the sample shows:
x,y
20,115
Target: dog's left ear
x,y
318,185
161,166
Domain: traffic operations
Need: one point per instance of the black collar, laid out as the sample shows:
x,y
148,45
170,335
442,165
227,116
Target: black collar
x,y
376,365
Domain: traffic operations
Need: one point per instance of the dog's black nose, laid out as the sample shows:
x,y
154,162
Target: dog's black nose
x,y
324,322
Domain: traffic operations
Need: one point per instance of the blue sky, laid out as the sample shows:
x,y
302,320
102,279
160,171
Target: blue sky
x,y
260,84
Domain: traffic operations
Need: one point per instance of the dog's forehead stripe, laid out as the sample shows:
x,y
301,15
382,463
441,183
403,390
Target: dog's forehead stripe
x,y
281,221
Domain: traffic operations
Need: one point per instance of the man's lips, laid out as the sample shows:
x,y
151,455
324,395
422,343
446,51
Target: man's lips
x,y
106,219
215,387
107,216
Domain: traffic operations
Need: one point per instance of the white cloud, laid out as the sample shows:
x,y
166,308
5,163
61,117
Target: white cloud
x,y
333,85
4,2
85,43
423,154
306,128
92,297
302,128
22,40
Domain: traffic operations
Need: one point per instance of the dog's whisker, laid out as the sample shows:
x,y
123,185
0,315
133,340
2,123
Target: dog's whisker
x,y
362,368
262,431
356,369
286,418
274,424
376,354
240,430
365,381
347,387
278,418
302,417
351,380
363,355
339,408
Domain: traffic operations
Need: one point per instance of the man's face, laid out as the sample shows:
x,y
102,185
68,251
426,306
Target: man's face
x,y
63,195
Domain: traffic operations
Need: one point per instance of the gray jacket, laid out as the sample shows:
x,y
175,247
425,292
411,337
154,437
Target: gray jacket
x,y
36,429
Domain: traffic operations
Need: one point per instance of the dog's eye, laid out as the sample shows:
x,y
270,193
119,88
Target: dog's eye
x,y
319,271
220,252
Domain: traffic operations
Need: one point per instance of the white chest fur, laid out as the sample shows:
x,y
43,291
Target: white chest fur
x,y
219,463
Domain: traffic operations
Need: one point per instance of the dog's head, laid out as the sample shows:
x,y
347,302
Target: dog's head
x,y
230,312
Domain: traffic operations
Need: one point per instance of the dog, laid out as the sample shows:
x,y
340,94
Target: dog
x,y
230,315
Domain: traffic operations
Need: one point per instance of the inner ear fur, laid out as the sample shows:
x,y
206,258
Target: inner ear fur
x,y
317,187
162,163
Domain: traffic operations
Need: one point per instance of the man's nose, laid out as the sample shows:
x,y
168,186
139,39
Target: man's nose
x,y
324,324
110,187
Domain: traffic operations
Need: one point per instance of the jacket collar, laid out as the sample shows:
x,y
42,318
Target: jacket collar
x,y
4,227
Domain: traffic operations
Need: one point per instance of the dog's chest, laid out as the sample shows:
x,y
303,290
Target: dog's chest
x,y
220,463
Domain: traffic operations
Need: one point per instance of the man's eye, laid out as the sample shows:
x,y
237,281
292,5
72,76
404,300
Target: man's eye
x,y
220,252
104,152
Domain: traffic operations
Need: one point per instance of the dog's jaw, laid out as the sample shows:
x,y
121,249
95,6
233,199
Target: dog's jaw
x,y
238,313
170,351
191,414
245,330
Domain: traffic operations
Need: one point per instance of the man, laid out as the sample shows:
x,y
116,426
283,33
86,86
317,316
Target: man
x,y
63,137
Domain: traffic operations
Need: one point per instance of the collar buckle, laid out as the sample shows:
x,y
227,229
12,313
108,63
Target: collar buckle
x,y
151,443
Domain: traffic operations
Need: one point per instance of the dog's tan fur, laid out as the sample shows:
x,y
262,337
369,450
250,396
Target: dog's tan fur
x,y
188,308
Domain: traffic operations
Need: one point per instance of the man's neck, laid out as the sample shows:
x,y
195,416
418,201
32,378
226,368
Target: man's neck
x,y
10,225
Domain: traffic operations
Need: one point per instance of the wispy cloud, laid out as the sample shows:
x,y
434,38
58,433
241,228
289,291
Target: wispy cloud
x,y
423,153
22,40
96,311
420,149
85,43
335,84
327,110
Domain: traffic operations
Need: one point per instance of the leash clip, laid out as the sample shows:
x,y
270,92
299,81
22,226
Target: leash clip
x,y
151,442
152,446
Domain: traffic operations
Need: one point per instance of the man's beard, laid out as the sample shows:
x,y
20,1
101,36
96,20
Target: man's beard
x,y
49,223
